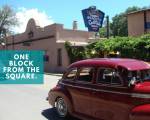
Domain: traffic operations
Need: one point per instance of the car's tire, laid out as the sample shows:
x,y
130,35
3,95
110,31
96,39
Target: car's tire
x,y
61,107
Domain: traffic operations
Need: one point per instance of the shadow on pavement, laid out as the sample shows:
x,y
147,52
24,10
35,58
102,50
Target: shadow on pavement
x,y
51,114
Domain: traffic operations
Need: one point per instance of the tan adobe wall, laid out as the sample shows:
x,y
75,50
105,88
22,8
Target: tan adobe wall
x,y
148,16
47,39
75,35
148,19
136,24
37,32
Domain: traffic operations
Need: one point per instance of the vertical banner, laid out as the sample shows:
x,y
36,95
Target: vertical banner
x,y
93,18
21,67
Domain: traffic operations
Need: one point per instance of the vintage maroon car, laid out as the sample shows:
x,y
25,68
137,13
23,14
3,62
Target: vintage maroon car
x,y
104,89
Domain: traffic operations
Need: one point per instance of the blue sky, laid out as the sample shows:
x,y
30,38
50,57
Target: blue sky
x,y
65,11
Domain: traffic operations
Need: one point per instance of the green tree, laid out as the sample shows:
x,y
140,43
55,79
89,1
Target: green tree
x,y
128,47
119,22
75,53
7,21
102,32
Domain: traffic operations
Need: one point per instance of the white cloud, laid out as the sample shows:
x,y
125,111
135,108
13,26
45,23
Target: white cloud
x,y
24,15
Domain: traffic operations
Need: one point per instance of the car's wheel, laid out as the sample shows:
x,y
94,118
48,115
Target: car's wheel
x,y
61,107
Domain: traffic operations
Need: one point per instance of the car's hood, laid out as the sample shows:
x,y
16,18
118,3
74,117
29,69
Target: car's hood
x,y
143,87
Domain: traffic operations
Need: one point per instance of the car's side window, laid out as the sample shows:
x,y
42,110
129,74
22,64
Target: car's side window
x,y
85,74
71,74
108,76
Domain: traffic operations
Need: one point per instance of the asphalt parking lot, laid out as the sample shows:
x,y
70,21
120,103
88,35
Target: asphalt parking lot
x,y
28,102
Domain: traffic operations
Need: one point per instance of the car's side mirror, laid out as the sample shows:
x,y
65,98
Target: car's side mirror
x,y
132,82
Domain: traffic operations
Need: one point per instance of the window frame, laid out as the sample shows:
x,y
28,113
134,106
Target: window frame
x,y
109,84
78,73
68,72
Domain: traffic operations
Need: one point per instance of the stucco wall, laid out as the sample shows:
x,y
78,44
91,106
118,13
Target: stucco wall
x,y
136,24
47,39
148,20
75,35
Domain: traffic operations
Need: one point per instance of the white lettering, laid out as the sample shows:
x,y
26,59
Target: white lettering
x,y
16,76
13,69
21,56
21,63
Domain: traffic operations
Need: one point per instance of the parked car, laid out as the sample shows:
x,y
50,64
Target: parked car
x,y
104,89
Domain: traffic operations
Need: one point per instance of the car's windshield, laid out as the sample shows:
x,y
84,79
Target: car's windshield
x,y
139,75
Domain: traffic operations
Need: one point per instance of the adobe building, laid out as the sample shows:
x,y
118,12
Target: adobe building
x,y
139,22
51,39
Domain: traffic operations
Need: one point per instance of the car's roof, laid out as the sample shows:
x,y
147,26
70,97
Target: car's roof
x,y
129,64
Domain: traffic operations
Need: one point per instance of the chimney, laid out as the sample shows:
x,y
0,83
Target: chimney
x,y
75,26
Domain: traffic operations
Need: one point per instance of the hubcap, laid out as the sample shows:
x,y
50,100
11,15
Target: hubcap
x,y
61,107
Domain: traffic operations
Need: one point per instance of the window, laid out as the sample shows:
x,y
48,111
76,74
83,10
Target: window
x,y
139,75
59,57
108,76
46,58
86,74
71,74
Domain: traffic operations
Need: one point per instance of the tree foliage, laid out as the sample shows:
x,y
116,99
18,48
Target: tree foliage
x,y
75,53
119,22
102,32
128,47
7,20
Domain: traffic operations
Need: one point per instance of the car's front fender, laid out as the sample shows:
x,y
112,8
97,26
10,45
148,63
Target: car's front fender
x,y
60,92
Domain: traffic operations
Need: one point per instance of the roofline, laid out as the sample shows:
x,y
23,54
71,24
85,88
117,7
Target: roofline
x,y
143,10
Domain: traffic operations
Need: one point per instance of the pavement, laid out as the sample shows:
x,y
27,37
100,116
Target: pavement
x,y
28,102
